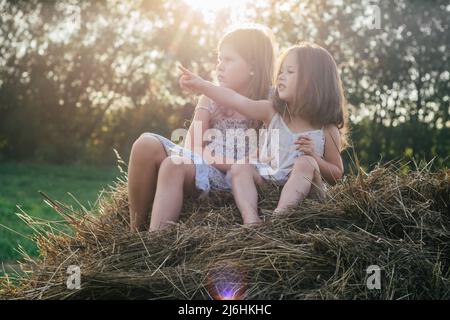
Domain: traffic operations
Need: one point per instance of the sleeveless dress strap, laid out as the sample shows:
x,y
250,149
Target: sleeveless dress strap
x,y
210,107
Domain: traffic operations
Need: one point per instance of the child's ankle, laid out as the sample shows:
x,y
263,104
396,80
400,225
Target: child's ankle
x,y
252,220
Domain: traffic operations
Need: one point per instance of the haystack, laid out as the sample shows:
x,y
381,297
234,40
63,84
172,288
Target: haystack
x,y
392,218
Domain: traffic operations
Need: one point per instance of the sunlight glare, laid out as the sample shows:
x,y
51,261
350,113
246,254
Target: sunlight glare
x,y
210,8
215,5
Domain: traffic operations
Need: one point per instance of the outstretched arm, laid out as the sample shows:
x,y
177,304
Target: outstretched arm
x,y
258,110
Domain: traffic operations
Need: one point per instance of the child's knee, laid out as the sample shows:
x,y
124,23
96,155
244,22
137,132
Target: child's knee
x,y
173,165
147,147
306,163
238,170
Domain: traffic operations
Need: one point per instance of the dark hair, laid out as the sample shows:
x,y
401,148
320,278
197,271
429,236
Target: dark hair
x,y
319,94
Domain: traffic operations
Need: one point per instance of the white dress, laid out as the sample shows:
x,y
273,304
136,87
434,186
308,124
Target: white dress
x,y
280,155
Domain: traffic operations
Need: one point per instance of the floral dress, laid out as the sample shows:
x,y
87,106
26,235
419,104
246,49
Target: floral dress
x,y
208,177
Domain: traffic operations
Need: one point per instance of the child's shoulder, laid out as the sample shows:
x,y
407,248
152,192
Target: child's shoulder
x,y
331,128
332,134
204,101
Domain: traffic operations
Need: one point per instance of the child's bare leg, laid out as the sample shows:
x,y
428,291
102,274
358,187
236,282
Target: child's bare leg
x,y
298,185
174,178
244,178
146,156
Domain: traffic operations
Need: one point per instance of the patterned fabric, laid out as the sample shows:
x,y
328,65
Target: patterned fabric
x,y
228,142
207,176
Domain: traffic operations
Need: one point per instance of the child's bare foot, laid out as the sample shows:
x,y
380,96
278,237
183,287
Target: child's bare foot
x,y
279,211
253,222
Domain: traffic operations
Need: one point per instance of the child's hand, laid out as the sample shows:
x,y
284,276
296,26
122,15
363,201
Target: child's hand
x,y
306,145
190,81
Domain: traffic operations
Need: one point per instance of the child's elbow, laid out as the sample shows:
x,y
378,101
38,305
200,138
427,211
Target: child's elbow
x,y
338,175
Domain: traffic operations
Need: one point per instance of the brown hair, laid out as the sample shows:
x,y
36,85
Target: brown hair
x,y
255,44
319,94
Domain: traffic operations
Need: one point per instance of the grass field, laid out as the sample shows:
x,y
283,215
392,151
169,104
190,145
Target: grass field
x,y
19,185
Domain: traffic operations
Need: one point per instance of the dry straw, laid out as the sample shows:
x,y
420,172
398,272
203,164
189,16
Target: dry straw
x,y
396,219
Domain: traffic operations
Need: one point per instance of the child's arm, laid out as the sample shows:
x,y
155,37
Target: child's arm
x,y
202,118
331,166
258,110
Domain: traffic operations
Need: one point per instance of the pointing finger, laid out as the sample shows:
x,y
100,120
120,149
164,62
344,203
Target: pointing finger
x,y
184,70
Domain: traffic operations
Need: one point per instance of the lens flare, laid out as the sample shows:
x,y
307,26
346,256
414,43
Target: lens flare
x,y
226,281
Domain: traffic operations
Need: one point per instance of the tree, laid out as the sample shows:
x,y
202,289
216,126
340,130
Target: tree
x,y
78,78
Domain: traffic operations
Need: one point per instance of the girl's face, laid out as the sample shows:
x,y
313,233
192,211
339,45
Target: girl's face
x,y
287,78
232,70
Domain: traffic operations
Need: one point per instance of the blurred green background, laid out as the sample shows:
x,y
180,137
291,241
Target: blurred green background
x,y
20,184
79,78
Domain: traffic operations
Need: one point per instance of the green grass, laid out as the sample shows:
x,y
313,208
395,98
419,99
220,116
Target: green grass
x,y
19,185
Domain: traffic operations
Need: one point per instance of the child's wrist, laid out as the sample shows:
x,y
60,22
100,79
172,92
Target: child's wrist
x,y
204,85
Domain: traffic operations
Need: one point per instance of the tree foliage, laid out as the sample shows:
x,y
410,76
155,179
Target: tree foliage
x,y
79,78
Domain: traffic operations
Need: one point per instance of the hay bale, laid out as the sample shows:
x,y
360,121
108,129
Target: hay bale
x,y
321,250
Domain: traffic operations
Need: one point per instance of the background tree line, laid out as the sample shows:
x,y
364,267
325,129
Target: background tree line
x,y
79,78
